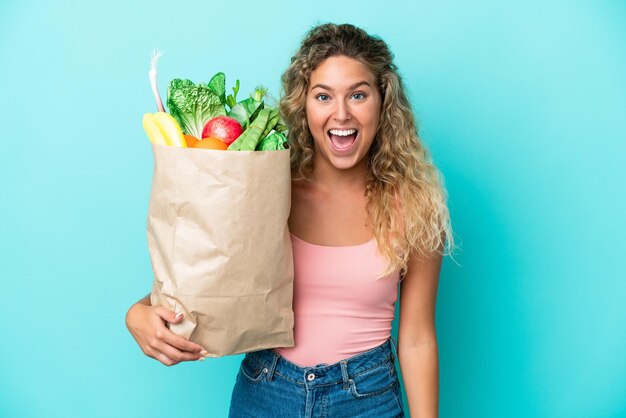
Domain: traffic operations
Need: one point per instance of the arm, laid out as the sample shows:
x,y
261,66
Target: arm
x,y
417,340
147,325
145,301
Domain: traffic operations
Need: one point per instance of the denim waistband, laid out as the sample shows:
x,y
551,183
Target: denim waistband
x,y
324,374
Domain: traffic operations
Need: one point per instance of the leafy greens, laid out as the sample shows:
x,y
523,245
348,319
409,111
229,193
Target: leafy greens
x,y
193,105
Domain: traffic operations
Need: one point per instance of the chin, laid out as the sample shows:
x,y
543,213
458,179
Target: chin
x,y
344,163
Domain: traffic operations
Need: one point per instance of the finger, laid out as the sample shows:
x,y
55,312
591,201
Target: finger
x,y
183,344
176,355
165,359
154,353
167,315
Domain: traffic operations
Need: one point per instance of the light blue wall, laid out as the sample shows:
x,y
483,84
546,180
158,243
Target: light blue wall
x,y
523,107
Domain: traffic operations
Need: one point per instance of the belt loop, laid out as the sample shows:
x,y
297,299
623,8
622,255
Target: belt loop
x,y
394,345
270,372
344,373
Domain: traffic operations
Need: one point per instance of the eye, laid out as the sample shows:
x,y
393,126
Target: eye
x,y
322,97
359,96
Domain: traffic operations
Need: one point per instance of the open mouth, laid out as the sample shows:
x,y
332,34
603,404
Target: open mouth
x,y
342,140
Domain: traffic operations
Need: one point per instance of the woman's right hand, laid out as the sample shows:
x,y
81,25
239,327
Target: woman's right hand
x,y
147,325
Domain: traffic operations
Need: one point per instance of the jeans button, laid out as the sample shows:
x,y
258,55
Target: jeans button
x,y
310,377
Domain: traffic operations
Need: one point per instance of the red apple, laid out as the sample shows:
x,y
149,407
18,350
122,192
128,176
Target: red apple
x,y
223,127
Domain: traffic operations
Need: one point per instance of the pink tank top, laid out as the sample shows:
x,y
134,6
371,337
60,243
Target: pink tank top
x,y
340,309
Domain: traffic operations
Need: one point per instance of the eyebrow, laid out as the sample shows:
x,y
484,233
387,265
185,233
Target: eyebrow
x,y
349,88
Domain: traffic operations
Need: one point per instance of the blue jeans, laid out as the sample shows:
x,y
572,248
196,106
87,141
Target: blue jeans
x,y
364,385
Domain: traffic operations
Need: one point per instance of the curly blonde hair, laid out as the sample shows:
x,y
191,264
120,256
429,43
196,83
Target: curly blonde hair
x,y
406,200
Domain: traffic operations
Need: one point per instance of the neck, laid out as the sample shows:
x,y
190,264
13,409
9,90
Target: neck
x,y
334,179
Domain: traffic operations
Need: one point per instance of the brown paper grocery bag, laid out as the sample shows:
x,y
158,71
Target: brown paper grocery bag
x,y
220,246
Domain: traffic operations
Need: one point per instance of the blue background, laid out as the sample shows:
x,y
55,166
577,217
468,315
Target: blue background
x,y
522,104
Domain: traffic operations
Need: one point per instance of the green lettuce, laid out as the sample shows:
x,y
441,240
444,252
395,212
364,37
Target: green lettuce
x,y
273,142
217,84
194,105
246,111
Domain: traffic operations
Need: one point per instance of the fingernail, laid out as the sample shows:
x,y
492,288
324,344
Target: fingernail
x,y
201,359
178,316
204,353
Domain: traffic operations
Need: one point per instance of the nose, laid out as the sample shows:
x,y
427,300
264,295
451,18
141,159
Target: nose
x,y
342,111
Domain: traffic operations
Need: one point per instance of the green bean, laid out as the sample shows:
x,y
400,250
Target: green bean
x,y
255,131
274,117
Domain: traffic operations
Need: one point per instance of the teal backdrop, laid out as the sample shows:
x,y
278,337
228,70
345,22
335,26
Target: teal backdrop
x,y
522,104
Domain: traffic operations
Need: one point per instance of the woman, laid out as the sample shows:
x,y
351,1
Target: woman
x,y
368,211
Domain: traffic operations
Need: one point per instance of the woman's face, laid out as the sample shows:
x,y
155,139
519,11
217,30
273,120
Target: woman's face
x,y
343,109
